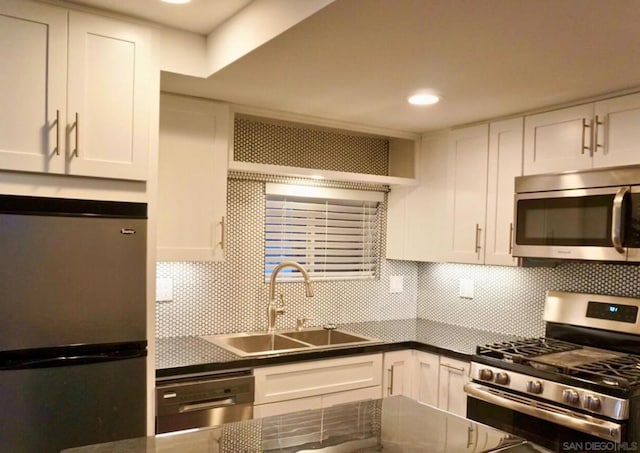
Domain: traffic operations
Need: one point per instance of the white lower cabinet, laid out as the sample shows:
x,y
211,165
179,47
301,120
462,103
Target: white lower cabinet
x,y
428,378
396,377
312,385
453,375
426,367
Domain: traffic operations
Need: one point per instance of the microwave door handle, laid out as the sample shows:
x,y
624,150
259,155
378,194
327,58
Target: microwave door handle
x,y
616,219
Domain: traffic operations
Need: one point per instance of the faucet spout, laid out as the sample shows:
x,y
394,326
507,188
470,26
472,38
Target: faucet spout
x,y
278,268
273,311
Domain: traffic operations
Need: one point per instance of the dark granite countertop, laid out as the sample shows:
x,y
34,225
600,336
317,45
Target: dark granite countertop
x,y
395,424
187,355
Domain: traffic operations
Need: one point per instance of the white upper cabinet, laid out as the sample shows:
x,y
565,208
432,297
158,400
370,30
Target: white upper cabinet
x,y
617,134
78,91
558,140
192,178
466,194
505,163
108,100
462,211
586,136
33,51
414,217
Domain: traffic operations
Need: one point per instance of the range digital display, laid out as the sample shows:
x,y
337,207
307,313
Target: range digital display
x,y
612,312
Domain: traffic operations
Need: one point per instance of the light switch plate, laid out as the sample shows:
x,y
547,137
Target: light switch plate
x,y
396,283
466,286
164,289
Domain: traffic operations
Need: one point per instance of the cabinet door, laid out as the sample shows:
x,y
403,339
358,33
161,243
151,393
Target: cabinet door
x,y
192,179
396,379
505,163
108,98
558,141
618,132
316,378
33,51
286,407
466,193
453,375
424,387
415,215
349,396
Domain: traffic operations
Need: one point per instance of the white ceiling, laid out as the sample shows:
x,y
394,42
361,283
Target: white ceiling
x,y
200,16
358,60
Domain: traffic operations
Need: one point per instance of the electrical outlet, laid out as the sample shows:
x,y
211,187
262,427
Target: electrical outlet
x,y
396,283
164,289
466,286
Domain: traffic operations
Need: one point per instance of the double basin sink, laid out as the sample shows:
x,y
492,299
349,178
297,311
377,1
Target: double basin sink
x,y
264,343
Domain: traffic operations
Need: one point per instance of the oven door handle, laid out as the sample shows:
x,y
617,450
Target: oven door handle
x,y
580,422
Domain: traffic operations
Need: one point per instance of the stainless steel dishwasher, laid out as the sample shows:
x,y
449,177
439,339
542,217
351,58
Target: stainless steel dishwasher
x,y
202,401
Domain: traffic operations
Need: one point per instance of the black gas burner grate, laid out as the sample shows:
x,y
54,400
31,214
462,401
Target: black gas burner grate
x,y
620,371
521,351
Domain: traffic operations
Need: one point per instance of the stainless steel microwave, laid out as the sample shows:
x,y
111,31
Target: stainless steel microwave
x,y
585,215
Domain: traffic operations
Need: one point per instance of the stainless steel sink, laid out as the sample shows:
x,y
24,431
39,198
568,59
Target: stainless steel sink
x,y
261,343
324,337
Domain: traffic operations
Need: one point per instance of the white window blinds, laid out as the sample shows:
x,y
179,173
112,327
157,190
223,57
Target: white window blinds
x,y
332,233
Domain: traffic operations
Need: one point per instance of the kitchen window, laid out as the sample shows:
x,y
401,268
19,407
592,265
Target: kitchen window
x,y
332,233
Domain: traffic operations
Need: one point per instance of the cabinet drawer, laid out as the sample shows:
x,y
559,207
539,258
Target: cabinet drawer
x,y
300,380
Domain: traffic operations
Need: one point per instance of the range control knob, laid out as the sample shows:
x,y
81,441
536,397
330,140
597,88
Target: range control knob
x,y
486,374
592,403
502,378
570,396
534,387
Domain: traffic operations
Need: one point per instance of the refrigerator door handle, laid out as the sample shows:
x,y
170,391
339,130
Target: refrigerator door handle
x,y
71,360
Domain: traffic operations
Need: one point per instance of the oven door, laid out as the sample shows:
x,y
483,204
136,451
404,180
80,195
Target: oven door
x,y
550,426
581,224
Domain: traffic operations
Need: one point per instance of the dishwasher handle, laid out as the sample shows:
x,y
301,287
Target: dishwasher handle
x,y
204,405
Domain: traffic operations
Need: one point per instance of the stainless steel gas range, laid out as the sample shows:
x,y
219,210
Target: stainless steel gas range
x,y
577,388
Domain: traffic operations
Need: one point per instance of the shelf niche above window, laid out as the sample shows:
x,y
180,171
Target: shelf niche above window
x,y
283,147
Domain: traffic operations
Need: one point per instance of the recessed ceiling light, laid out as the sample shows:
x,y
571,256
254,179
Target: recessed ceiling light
x,y
423,99
177,2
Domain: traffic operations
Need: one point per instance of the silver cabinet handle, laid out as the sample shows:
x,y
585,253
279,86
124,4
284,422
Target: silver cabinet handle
x,y
510,238
616,220
585,126
223,233
596,125
470,432
76,152
454,368
58,132
390,386
478,230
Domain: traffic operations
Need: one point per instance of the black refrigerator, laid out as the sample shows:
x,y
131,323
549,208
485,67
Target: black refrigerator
x,y
73,340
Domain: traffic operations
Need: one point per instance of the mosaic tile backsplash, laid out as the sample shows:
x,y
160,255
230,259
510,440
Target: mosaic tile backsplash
x,y
231,296
511,300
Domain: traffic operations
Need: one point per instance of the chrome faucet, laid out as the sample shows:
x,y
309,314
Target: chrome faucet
x,y
273,310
